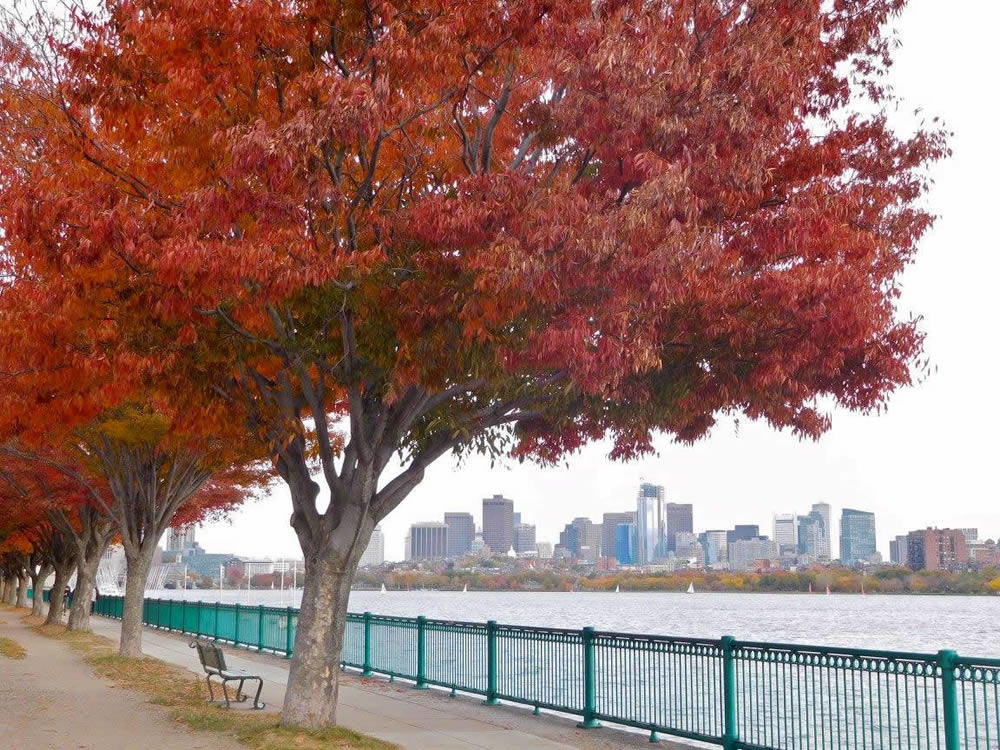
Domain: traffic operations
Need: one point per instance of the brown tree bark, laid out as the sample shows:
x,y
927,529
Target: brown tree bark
x,y
38,574
90,542
22,590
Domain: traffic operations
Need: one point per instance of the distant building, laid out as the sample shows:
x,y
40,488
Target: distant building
x,y
609,532
899,551
687,547
971,535
498,524
680,520
786,533
937,549
714,541
745,554
984,552
813,533
374,553
857,536
461,532
624,542
744,531
544,550
180,539
428,540
524,539
650,523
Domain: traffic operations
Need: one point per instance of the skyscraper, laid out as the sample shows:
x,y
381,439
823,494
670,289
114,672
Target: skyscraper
x,y
825,551
785,533
899,551
857,536
937,549
744,531
624,543
680,519
812,535
586,537
524,538
650,523
609,531
715,543
180,539
428,540
461,532
498,524
374,553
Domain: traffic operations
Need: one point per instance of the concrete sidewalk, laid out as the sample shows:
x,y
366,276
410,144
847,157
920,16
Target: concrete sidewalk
x,y
396,712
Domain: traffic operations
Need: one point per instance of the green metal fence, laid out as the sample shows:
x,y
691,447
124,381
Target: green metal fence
x,y
737,694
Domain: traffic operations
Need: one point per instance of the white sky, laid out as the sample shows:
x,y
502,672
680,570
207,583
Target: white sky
x,y
926,462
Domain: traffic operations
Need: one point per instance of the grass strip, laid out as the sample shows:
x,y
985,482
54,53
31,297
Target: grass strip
x,y
11,649
186,698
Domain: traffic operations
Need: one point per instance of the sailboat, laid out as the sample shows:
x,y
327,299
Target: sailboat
x,y
690,588
828,591
383,588
465,588
862,588
618,589
810,588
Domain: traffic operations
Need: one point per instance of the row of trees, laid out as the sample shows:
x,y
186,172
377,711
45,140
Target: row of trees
x,y
332,241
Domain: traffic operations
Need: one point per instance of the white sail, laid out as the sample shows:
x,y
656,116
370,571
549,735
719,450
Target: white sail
x,y
618,589
690,588
383,588
465,588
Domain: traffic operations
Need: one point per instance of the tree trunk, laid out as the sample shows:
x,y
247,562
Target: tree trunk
x,y
136,572
313,678
9,594
22,591
86,574
56,599
38,579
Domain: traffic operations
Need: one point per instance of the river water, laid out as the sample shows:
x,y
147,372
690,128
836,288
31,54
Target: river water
x,y
967,624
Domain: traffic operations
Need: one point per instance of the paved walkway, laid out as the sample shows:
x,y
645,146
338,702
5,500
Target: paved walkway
x,y
51,699
395,712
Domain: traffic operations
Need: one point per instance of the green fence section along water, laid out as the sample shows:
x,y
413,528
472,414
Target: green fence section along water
x,y
737,694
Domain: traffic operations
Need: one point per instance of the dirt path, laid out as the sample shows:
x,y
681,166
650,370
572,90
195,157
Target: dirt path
x,y
52,699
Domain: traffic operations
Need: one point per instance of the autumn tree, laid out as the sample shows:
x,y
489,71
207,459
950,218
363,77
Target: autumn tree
x,y
424,227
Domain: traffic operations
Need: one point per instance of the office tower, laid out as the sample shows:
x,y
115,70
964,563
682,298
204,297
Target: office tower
x,y
680,520
524,538
825,551
609,531
374,553
428,540
937,549
624,543
857,536
544,550
743,531
650,523
899,551
582,537
498,524
745,554
785,533
180,539
715,542
461,532
811,533
971,535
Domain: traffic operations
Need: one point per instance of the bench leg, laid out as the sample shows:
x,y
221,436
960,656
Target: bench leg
x,y
257,705
211,695
240,697
225,692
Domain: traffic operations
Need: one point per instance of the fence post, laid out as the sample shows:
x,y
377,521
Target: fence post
x,y
491,663
731,736
216,628
421,653
288,632
260,627
949,697
367,669
589,681
236,628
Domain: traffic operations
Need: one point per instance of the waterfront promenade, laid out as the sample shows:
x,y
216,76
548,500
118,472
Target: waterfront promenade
x,y
394,712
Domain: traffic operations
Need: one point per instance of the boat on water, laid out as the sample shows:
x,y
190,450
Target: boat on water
x,y
618,589
810,588
690,588
383,588
465,588
828,591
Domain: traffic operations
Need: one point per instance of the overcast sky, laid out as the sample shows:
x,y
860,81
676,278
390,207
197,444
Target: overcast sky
x,y
925,462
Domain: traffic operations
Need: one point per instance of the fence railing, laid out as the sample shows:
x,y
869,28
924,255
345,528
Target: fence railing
x,y
738,694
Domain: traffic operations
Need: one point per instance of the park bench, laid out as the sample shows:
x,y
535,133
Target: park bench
x,y
213,661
